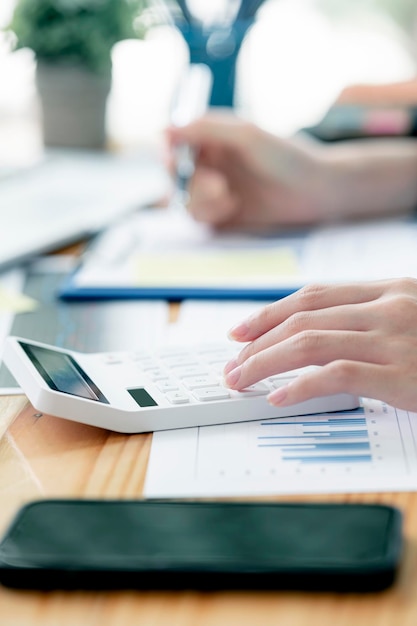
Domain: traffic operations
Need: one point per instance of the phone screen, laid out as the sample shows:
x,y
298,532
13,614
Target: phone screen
x,y
231,539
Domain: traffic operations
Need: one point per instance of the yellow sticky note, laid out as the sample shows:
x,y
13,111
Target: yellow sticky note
x,y
12,302
216,267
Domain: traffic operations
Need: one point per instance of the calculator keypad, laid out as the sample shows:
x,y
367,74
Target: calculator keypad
x,y
194,375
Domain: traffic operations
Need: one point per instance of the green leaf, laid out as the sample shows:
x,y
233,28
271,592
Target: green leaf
x,y
75,31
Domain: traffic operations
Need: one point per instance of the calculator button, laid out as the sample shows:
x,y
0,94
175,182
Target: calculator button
x,y
218,357
259,389
170,352
211,393
146,365
199,382
168,385
190,370
112,359
280,382
218,366
177,397
137,356
158,374
218,363
209,349
180,361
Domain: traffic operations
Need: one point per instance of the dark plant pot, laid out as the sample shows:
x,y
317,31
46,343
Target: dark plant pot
x,y
73,102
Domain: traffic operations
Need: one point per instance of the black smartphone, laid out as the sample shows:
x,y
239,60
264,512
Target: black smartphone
x,y
102,544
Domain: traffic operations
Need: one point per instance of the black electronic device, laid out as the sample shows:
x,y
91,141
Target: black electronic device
x,y
104,544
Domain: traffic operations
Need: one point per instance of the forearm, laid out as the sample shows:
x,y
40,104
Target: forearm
x,y
371,178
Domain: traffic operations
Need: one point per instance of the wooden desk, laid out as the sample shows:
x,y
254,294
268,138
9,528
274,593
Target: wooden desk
x,y
48,457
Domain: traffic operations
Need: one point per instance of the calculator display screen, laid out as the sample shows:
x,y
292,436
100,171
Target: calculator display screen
x,y
142,397
62,373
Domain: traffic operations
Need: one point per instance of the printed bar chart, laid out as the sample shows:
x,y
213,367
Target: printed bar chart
x,y
320,441
373,448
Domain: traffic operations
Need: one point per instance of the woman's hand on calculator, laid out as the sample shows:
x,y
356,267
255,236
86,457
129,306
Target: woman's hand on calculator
x,y
364,335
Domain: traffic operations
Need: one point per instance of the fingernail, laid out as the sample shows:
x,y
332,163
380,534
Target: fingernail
x,y
277,397
231,365
239,331
232,377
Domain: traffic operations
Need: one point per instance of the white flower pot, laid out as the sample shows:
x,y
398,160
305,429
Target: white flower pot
x,y
73,103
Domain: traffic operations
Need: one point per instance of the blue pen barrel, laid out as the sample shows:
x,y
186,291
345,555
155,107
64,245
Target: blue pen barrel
x,y
218,47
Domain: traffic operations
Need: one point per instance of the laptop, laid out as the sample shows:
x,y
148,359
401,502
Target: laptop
x,y
71,195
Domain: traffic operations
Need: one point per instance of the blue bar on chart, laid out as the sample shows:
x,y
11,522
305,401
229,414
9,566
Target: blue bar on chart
x,y
341,438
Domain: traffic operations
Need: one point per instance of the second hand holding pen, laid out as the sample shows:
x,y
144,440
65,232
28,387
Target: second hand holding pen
x,y
191,102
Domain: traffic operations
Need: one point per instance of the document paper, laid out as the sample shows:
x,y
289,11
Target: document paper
x,y
372,449
167,253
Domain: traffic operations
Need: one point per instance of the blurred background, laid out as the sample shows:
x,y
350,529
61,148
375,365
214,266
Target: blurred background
x,y
294,61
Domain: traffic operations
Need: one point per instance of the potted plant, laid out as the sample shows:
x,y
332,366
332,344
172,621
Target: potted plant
x,y
72,42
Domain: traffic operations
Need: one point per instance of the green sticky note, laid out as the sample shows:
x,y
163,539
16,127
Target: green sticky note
x,y
12,302
215,267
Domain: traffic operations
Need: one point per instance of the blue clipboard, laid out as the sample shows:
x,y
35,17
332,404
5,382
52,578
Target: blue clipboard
x,y
69,290
168,256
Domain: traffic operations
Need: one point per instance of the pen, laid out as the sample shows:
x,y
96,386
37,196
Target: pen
x,y
185,11
248,9
190,102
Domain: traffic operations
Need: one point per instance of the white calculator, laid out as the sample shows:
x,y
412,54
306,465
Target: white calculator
x,y
135,392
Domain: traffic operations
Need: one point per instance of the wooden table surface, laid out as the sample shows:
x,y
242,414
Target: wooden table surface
x,y
49,457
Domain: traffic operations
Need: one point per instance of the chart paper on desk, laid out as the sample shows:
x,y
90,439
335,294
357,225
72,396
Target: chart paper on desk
x,y
371,449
